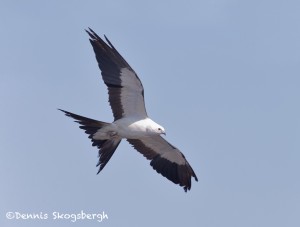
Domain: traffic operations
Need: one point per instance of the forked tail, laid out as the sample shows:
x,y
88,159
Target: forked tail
x,y
91,126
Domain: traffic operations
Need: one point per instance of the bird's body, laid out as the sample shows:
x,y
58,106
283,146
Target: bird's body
x,y
131,122
127,128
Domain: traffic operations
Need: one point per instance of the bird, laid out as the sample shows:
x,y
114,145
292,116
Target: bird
x,y
131,121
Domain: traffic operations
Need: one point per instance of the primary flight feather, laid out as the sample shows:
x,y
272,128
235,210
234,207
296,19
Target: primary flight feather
x,y
131,122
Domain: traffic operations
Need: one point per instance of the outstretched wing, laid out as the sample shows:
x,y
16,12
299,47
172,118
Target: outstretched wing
x,y
166,160
126,92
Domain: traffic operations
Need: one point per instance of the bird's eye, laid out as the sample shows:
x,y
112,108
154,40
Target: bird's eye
x,y
159,129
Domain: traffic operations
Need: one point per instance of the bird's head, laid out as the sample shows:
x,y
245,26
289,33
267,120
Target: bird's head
x,y
157,129
154,128
160,130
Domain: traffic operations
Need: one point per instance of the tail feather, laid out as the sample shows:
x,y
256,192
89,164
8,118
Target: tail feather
x,y
91,126
107,150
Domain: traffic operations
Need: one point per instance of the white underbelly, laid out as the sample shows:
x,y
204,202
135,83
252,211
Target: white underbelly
x,y
128,128
131,129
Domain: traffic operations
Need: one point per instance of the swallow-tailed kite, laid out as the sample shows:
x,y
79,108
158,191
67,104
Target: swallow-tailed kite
x,y
131,122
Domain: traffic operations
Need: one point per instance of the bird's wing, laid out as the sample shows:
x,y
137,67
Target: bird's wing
x,y
166,160
126,92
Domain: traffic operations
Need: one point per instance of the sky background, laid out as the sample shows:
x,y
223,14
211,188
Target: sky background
x,y
222,77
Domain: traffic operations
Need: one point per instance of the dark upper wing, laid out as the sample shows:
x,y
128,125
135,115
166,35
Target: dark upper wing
x,y
166,160
126,93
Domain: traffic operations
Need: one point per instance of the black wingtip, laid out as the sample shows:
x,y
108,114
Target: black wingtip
x,y
101,167
107,40
66,112
194,174
93,35
62,110
99,170
87,31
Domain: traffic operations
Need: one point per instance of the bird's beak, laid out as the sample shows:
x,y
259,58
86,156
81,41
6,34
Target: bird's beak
x,y
164,133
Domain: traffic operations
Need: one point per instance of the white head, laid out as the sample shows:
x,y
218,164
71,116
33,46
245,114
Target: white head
x,y
160,130
155,128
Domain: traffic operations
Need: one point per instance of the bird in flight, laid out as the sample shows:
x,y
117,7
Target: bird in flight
x,y
131,122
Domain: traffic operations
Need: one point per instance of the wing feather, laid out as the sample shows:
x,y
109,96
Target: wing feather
x,y
166,160
126,92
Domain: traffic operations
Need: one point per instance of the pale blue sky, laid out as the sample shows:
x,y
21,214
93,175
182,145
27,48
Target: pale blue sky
x,y
221,76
